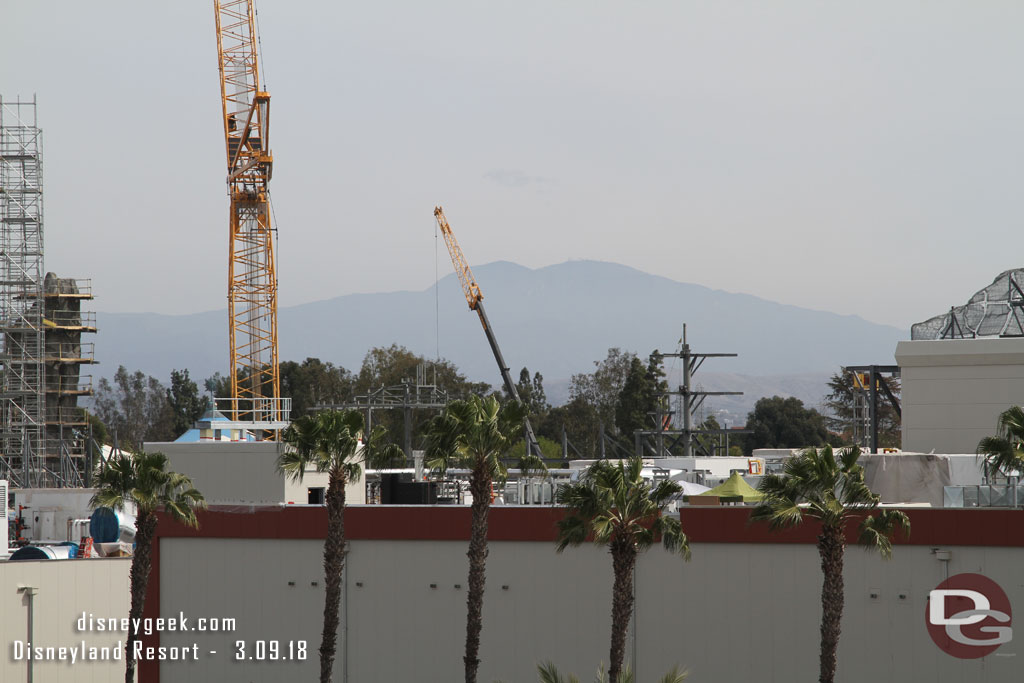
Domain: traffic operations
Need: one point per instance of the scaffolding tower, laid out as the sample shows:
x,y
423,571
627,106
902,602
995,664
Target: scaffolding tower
x,y
45,437
22,414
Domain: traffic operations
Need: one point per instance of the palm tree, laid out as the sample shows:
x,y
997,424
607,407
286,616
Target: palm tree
x,y
829,488
617,508
473,434
330,442
1004,454
143,479
550,674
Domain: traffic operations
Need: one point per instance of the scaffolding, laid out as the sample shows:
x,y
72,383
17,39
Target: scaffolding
x,y
44,435
21,294
67,433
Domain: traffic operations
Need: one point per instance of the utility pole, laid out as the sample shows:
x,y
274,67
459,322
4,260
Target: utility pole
x,y
691,401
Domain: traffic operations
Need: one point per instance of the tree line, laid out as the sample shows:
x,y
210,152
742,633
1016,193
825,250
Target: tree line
x,y
623,393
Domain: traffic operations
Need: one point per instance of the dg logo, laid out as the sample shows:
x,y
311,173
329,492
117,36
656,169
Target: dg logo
x,y
968,616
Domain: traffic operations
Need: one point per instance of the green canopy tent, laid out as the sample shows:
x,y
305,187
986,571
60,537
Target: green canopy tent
x,y
734,489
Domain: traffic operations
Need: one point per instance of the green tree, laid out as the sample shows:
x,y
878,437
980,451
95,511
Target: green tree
x,y
218,385
779,422
314,382
581,422
602,387
329,442
830,489
394,365
186,404
473,434
550,449
842,401
709,443
1003,454
388,366
642,394
531,393
613,505
143,479
135,407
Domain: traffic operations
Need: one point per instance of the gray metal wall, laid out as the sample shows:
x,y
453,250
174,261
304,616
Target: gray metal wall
x,y
227,472
954,390
737,611
66,589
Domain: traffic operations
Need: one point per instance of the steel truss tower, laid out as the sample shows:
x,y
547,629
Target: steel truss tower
x,y
22,415
252,277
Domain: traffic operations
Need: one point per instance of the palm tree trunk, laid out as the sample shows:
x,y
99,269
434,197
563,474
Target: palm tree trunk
x,y
623,563
480,487
142,561
334,564
831,545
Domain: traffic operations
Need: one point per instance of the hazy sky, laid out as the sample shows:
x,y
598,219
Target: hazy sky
x,y
864,158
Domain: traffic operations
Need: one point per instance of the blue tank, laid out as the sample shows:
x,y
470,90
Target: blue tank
x,y
107,525
63,551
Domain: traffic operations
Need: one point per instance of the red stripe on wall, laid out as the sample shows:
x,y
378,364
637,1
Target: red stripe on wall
x,y
929,526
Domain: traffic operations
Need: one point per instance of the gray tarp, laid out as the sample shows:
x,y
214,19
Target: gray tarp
x,y
918,477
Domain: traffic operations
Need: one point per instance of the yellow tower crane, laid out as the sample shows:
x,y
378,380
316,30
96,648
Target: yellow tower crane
x,y
252,278
474,297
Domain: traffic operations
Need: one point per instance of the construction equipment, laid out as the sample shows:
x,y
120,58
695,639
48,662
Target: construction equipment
x,y
474,297
252,278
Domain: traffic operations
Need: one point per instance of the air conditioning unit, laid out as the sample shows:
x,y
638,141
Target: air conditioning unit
x,y
4,521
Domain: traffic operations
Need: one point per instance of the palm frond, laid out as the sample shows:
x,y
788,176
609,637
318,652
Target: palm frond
x,y
612,501
143,479
673,537
674,675
530,465
549,674
292,464
877,531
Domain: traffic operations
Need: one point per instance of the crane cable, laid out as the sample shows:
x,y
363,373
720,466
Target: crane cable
x,y
437,299
259,49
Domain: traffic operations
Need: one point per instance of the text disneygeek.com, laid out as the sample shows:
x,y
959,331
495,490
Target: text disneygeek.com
x,y
239,650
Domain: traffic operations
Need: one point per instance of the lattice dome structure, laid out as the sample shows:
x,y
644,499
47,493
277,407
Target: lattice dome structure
x,y
995,311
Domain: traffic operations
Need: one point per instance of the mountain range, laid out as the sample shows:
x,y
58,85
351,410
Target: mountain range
x,y
556,320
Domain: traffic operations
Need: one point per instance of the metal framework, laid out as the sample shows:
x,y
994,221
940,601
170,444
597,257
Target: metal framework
x,y
868,382
995,311
252,276
691,401
474,297
21,294
405,397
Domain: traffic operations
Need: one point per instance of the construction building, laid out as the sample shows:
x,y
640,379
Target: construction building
x,y
44,435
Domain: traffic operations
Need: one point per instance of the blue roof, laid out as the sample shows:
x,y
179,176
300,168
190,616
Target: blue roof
x,y
191,436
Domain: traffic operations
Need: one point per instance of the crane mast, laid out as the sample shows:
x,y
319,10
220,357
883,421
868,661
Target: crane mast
x,y
252,277
474,297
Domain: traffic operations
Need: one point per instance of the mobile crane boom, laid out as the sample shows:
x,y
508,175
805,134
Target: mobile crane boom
x,y
252,277
474,297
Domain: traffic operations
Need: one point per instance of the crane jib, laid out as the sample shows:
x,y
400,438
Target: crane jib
x,y
475,299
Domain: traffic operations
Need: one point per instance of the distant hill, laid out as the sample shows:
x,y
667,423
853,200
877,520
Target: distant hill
x,y
556,320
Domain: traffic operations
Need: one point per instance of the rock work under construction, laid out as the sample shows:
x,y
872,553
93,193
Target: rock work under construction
x,y
995,311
